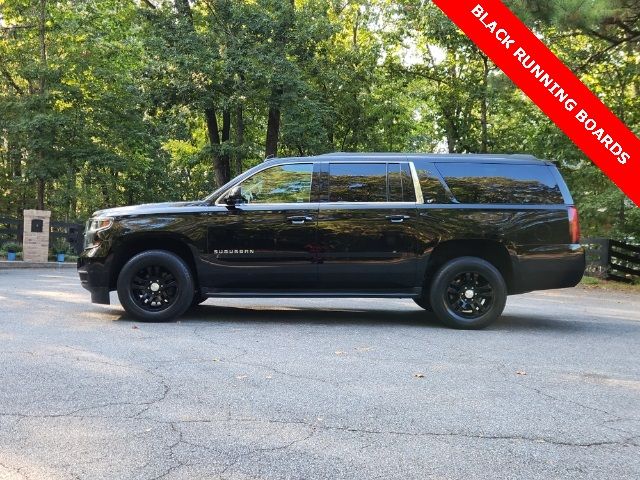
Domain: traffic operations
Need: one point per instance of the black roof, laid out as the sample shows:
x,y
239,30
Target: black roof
x,y
429,157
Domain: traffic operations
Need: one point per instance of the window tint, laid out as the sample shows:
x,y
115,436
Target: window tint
x,y
501,183
432,189
401,187
280,184
357,182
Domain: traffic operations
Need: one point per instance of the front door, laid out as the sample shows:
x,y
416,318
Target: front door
x,y
367,227
266,241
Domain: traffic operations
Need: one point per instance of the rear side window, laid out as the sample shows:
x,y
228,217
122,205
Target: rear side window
x,y
370,182
501,183
401,187
357,182
432,189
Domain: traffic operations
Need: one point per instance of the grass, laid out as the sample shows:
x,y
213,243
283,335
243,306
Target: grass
x,y
598,283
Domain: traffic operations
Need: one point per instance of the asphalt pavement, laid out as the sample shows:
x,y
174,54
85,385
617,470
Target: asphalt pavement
x,y
316,389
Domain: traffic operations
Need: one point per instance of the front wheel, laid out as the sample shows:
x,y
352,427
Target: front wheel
x,y
468,293
155,286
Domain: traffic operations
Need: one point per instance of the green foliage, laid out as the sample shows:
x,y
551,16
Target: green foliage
x,y
60,245
118,102
14,247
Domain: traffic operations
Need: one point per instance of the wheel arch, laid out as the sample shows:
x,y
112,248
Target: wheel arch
x,y
132,245
493,251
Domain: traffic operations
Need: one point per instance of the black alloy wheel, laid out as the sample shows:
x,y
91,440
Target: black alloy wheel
x,y
468,293
155,286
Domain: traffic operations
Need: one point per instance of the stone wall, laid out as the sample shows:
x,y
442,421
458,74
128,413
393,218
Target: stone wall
x,y
35,244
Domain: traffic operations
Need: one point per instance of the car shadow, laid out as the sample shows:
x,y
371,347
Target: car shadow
x,y
206,314
300,315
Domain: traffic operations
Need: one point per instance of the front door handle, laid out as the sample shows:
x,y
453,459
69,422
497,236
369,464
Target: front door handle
x,y
299,219
397,218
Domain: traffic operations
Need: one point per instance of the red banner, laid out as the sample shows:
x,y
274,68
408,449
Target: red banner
x,y
552,86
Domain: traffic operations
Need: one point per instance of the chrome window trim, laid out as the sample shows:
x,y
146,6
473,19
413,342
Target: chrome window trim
x,y
367,203
416,184
412,168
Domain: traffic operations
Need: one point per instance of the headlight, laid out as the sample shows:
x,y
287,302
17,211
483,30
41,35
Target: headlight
x,y
94,226
98,224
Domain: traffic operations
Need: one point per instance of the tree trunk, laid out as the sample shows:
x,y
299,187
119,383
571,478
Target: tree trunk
x,y
484,105
273,131
40,194
42,89
239,139
224,164
221,166
273,121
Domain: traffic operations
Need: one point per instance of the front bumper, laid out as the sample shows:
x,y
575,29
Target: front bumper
x,y
95,276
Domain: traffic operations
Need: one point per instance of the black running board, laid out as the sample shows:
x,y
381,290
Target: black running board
x,y
411,293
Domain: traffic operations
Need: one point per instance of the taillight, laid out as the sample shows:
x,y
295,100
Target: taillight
x,y
574,225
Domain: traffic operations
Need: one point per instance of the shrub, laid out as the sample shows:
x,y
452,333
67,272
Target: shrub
x,y
13,247
60,245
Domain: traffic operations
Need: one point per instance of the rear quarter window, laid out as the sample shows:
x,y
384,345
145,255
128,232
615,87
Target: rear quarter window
x,y
494,183
432,189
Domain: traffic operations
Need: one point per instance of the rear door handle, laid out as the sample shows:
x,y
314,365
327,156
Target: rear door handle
x,y
299,219
397,218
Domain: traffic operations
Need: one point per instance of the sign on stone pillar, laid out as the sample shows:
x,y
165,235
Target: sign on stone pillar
x,y
35,243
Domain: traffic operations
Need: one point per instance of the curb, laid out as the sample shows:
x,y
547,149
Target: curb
x,y
20,265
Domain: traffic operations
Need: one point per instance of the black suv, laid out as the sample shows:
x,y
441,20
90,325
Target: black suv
x,y
456,233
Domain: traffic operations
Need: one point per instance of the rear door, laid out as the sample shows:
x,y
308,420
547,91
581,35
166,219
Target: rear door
x,y
367,226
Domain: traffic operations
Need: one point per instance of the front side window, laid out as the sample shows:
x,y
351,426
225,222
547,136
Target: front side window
x,y
280,184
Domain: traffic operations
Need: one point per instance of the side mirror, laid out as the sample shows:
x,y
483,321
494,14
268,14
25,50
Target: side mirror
x,y
234,197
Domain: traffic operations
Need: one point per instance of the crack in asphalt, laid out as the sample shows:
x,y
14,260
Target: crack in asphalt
x,y
254,451
562,400
172,454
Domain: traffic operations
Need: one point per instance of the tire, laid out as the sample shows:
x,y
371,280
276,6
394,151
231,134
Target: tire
x,y
155,286
424,303
468,293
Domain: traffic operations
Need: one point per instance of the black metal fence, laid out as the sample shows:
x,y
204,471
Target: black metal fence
x,y
612,259
71,232
11,229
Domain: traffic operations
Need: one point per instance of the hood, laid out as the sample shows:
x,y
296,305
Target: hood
x,y
146,208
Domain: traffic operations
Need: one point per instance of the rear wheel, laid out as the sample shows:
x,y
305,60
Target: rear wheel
x,y
468,293
155,286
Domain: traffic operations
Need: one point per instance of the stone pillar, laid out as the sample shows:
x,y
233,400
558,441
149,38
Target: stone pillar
x,y
35,242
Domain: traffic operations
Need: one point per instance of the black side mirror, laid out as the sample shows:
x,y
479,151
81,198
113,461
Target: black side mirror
x,y
234,197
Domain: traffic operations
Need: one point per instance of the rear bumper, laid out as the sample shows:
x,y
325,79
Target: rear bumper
x,y
95,276
547,267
